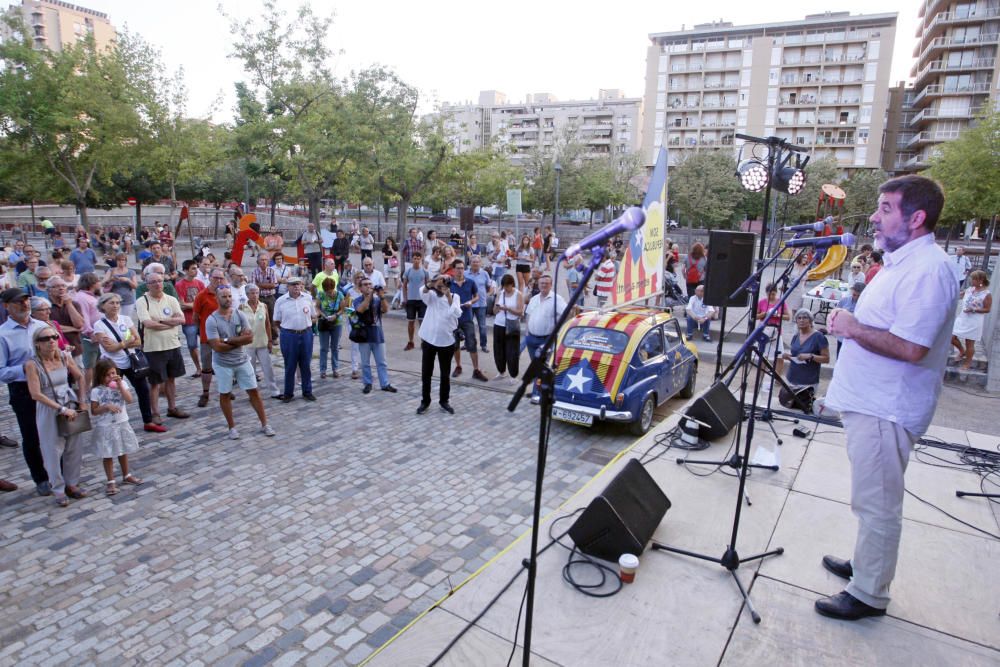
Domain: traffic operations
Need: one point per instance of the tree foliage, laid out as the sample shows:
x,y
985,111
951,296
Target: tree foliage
x,y
703,187
81,111
968,170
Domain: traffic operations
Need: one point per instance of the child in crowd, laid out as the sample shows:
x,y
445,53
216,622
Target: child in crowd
x,y
113,436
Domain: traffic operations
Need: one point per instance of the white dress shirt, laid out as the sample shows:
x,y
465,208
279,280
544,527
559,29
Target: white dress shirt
x,y
378,280
697,309
441,318
541,318
294,314
912,297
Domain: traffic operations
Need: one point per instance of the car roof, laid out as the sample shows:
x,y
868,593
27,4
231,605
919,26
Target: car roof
x,y
630,319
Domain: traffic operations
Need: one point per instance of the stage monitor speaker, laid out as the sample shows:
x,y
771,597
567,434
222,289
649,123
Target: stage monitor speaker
x,y
623,517
466,216
730,262
718,408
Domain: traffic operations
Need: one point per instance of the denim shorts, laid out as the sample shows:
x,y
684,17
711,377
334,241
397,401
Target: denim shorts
x,y
191,334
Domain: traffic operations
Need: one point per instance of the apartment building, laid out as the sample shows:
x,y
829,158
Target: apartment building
x,y
608,125
955,73
820,82
54,24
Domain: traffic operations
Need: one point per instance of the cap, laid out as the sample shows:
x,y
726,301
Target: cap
x,y
13,294
295,280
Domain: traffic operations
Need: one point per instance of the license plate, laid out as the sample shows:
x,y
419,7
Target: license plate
x,y
573,416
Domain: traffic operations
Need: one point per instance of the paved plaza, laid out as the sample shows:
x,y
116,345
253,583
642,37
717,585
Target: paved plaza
x,y
313,547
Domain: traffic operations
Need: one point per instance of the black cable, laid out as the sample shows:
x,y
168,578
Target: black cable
x,y
567,571
517,626
952,516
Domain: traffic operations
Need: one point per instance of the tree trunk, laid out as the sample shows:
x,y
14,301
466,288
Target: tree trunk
x,y
314,210
82,206
402,207
215,230
274,208
138,220
591,218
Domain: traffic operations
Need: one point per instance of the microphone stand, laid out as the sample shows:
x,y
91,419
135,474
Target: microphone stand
x,y
541,369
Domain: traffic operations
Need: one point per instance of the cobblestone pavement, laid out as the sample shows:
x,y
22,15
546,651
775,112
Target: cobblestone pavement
x,y
313,547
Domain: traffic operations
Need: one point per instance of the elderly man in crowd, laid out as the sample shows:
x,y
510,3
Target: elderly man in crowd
x,y
295,313
329,272
369,271
264,277
543,311
699,315
150,269
27,279
370,307
238,284
228,332
161,317
16,348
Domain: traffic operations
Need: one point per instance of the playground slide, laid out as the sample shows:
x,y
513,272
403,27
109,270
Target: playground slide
x,y
834,257
246,236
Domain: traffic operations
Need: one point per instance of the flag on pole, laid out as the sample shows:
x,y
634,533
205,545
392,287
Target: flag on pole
x,y
640,275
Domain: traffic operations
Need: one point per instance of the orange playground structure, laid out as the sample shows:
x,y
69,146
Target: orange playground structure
x,y
247,235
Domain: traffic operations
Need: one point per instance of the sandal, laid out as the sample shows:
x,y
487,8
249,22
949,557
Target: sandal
x,y
110,488
62,501
75,493
131,479
157,419
196,375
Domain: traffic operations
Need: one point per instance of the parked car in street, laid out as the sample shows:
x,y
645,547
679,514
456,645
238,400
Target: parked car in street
x,y
620,365
440,217
481,219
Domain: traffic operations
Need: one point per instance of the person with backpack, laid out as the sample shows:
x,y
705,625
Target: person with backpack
x,y
694,267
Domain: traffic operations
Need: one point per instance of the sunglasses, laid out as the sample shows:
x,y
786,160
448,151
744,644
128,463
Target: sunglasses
x,y
47,339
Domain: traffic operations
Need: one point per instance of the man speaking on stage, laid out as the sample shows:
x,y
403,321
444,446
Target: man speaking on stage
x,y
886,383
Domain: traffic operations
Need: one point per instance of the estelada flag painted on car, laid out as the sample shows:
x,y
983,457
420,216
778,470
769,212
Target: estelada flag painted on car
x,y
606,366
640,275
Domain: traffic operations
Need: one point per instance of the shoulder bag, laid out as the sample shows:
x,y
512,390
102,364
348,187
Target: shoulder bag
x,y
137,358
64,426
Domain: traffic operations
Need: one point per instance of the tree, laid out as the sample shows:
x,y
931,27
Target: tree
x,y
861,194
305,109
802,207
80,111
704,188
597,186
407,153
968,170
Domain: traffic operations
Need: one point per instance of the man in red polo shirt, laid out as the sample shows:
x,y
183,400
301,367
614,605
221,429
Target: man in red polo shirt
x,y
204,305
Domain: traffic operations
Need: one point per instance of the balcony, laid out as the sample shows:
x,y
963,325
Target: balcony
x,y
715,85
940,66
930,114
722,67
937,90
944,19
940,44
931,137
686,67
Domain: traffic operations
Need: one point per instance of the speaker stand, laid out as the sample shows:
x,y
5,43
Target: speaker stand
x,y
735,462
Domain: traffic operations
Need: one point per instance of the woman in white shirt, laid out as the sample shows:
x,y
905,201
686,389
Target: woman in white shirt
x,y
437,336
508,309
857,274
433,263
116,335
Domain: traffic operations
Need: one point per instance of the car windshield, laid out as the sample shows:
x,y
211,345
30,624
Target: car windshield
x,y
596,340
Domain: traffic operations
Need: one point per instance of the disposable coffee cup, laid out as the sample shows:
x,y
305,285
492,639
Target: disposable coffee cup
x,y
627,565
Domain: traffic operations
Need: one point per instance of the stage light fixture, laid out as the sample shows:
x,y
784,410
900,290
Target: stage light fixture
x,y
753,175
788,178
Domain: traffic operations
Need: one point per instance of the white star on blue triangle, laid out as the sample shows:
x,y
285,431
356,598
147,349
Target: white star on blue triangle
x,y
578,378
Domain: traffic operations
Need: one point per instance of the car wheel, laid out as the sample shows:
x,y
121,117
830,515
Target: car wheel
x,y
688,390
645,420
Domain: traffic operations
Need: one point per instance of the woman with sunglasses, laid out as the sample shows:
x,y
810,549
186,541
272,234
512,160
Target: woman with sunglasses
x,y
115,347
48,376
857,274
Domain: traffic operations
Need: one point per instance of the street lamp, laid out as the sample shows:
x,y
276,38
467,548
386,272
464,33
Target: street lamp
x,y
555,214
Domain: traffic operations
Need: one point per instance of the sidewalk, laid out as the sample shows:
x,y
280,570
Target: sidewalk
x,y
683,611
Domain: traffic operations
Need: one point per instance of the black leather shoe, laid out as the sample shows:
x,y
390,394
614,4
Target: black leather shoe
x,y
423,408
447,408
309,397
367,389
846,607
287,399
389,388
838,566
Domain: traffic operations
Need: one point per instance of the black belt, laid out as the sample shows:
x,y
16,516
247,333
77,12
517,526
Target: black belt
x,y
296,331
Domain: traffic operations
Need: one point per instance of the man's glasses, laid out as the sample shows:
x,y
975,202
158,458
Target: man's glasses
x,y
47,339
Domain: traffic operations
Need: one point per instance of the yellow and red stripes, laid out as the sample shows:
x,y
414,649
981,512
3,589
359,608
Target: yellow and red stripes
x,y
608,367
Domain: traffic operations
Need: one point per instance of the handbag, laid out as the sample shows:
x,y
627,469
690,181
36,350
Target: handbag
x,y
64,426
137,358
393,262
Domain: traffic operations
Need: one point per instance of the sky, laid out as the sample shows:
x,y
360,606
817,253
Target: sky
x,y
452,49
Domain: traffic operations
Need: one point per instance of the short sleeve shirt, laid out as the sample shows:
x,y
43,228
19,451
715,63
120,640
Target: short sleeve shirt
x,y
465,292
188,291
106,396
149,308
373,314
219,327
806,373
204,305
123,327
415,279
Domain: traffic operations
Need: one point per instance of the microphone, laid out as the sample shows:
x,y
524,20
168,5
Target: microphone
x,y
821,241
632,218
817,227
